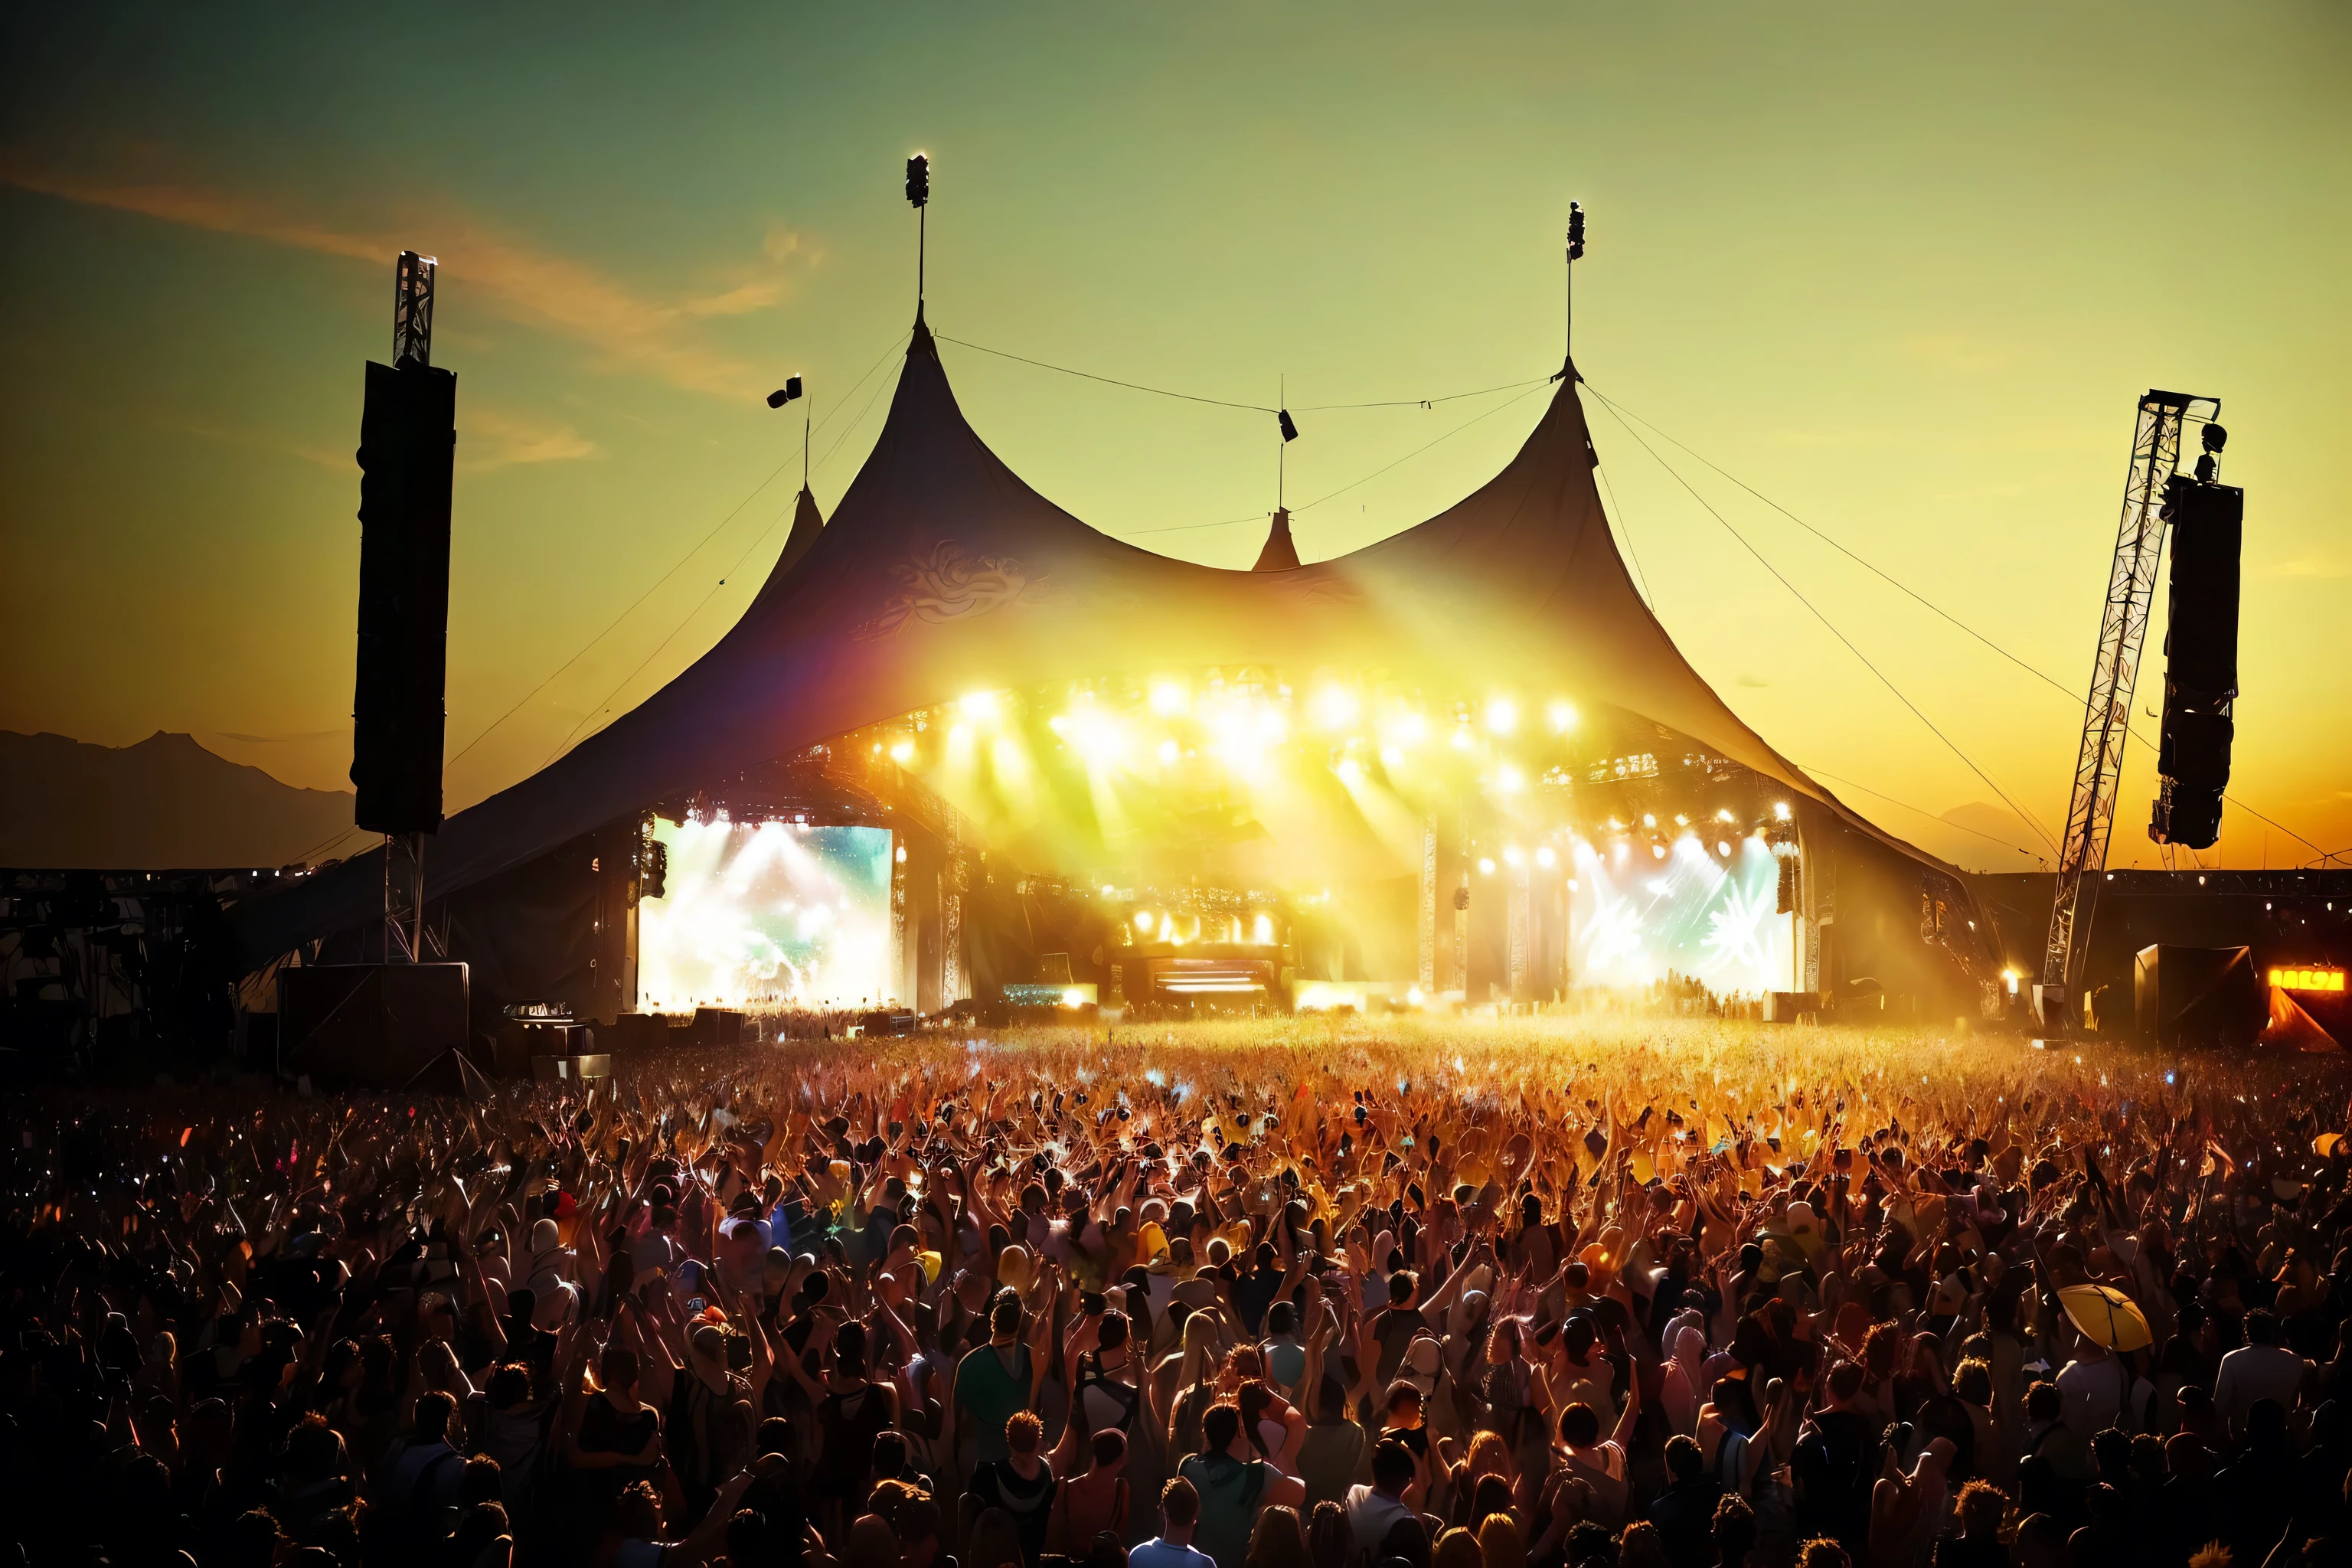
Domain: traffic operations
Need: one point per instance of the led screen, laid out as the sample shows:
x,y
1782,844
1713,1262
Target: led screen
x,y
1697,911
767,914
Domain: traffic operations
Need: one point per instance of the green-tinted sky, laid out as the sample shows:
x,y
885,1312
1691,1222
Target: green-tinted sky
x,y
1904,270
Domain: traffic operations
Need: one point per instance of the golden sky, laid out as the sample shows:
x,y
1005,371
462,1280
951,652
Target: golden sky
x,y
1902,270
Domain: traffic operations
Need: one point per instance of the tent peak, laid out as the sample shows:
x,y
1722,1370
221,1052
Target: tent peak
x,y
920,345
1279,554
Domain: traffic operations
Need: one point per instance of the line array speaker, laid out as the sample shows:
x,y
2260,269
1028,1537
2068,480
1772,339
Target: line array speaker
x,y
407,436
2200,652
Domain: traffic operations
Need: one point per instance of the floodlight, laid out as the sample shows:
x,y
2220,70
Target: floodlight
x,y
785,394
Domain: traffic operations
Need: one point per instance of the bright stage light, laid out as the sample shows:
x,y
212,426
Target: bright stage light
x,y
1502,715
1349,770
1143,919
1074,998
1515,856
1391,757
1409,729
1546,856
1168,754
1335,707
1414,995
1168,698
1649,819
768,914
1462,741
1657,851
1563,716
1093,735
1780,811
1723,849
1485,865
1723,815
1262,931
902,750
1509,780
981,704
1631,925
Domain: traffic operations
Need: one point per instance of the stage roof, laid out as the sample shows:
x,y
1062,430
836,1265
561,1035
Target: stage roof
x,y
942,572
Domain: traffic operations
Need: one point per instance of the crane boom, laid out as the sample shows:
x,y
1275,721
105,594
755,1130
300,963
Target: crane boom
x,y
2106,715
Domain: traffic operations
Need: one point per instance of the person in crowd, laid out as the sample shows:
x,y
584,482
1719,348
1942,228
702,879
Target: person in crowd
x,y
1729,1305
1180,1507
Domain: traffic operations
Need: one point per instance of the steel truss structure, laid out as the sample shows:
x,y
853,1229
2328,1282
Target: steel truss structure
x,y
2106,716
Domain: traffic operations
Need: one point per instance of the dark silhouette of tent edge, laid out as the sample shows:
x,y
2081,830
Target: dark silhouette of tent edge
x,y
941,570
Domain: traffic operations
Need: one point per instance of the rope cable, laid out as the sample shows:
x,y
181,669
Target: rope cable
x,y
1923,811
1227,403
1625,526
1796,594
1416,452
484,733
1106,380
687,619
1343,489
2043,675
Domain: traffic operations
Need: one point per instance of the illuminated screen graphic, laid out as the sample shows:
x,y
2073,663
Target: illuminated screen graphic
x,y
1632,917
767,913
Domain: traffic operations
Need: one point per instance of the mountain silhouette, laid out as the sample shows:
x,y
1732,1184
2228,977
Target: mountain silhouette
x,y
161,804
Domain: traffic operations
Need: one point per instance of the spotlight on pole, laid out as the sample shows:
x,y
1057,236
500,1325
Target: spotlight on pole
x,y
785,393
1576,231
1289,430
919,180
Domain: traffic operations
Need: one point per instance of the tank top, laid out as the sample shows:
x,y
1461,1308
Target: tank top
x,y
850,1422
991,1392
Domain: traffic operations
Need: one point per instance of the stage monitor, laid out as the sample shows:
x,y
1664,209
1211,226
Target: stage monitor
x,y
768,914
1705,910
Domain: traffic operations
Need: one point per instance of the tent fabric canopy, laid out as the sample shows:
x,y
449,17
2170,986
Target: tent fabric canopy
x,y
942,572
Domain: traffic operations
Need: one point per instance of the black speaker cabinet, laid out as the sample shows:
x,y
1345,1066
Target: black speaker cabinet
x,y
2197,996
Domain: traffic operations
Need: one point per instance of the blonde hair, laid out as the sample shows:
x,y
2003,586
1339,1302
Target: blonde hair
x,y
1488,1456
1457,1548
1500,1543
1200,1352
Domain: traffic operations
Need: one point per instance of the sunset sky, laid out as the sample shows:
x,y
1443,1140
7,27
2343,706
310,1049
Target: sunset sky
x,y
1903,270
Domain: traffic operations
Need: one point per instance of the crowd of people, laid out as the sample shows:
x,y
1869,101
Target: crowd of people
x,y
1338,1294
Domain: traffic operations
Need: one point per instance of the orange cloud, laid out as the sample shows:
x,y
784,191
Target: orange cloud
x,y
489,439
526,285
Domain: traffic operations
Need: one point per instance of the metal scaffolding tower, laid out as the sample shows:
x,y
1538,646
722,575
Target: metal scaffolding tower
x,y
2106,716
